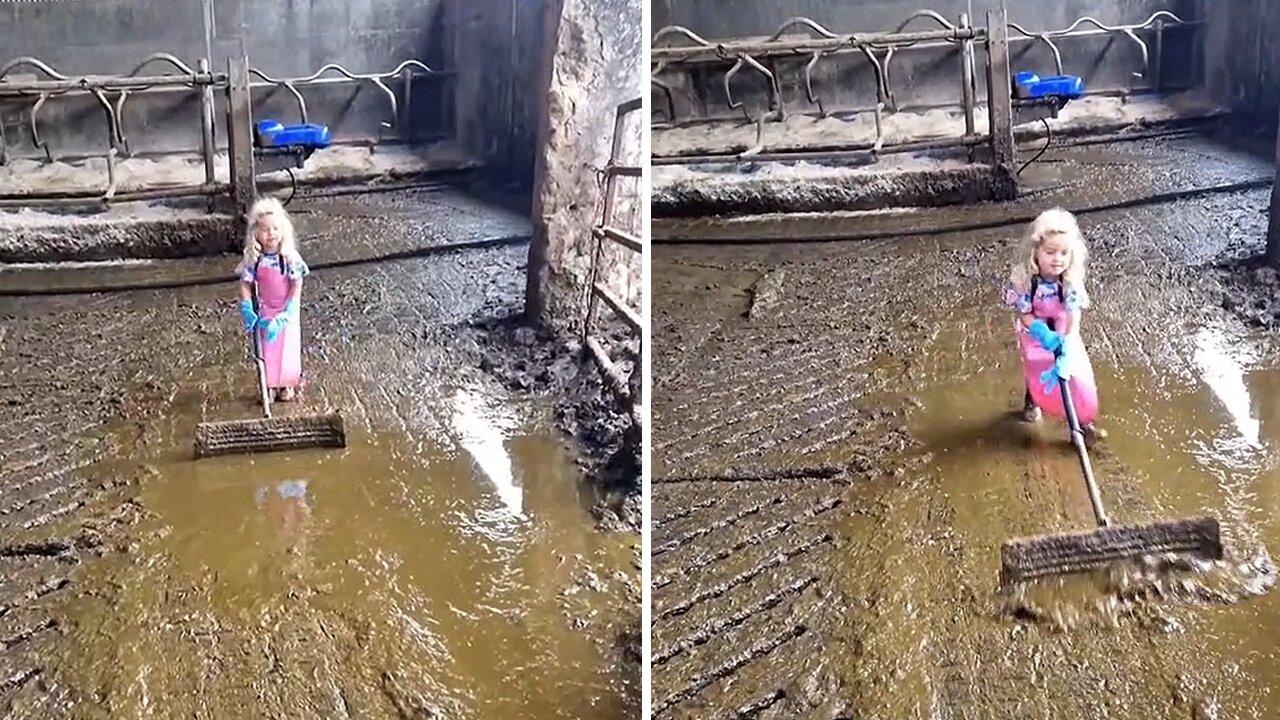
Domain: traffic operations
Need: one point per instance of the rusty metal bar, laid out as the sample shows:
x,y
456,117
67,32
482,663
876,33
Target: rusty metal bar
x,y
90,83
761,49
624,170
613,379
618,306
629,106
208,148
624,239
71,199
598,291
968,89
839,152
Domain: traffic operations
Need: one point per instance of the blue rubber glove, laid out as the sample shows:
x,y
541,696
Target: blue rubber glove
x,y
1048,339
279,322
1053,375
248,315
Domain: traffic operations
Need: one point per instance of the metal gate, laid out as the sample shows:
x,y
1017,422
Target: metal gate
x,y
597,291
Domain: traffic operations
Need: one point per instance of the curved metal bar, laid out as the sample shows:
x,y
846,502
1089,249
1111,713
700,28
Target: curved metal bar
x,y
166,57
345,73
287,85
1142,46
120,138
33,62
678,30
666,92
813,25
1149,22
302,103
882,77
808,84
1043,37
395,109
733,105
775,99
35,131
888,57
1120,28
111,176
932,15
113,123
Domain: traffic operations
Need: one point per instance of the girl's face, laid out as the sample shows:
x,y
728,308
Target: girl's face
x,y
267,233
1053,256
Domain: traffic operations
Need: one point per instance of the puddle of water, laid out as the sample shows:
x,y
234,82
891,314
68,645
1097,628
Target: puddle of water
x,y
459,574
1199,443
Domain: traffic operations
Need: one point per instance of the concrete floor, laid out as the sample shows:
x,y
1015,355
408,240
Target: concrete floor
x,y
445,563
836,468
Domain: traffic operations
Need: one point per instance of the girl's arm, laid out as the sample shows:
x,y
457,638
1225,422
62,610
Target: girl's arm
x,y
246,290
1027,319
295,291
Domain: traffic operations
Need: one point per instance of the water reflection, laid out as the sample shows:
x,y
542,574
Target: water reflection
x,y
482,425
1224,374
289,511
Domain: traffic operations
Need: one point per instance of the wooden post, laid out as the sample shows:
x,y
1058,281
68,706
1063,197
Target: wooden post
x,y
1000,104
244,189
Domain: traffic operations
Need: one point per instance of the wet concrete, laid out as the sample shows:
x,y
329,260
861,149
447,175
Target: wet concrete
x,y
834,477
447,563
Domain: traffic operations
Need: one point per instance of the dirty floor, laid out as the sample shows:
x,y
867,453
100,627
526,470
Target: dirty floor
x,y
445,564
836,466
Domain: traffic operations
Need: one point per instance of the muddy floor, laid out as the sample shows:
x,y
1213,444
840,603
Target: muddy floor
x,y
446,564
836,465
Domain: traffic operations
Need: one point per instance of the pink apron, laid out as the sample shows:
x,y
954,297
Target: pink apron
x,y
1036,360
284,356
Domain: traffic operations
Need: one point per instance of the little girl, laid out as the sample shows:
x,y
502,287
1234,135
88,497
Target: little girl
x,y
1047,291
273,267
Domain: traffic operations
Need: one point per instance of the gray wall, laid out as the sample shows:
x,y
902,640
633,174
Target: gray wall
x,y
597,64
1242,57
921,77
287,38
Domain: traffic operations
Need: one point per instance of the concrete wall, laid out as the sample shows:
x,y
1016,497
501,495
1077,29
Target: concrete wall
x,y
919,77
596,64
487,106
1242,57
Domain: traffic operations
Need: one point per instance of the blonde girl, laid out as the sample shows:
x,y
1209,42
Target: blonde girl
x,y
1047,291
271,271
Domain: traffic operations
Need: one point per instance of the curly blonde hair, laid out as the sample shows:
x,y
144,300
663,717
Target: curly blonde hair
x,y
288,239
1052,223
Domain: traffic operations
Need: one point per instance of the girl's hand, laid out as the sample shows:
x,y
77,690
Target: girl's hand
x,y
1048,339
247,314
281,321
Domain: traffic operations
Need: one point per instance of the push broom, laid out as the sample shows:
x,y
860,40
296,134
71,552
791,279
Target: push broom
x,y
269,434
1078,551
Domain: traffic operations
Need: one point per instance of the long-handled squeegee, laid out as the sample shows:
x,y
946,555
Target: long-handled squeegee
x,y
269,434
1027,558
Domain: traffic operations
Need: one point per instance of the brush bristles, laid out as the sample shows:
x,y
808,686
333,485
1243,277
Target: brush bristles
x,y
1027,558
270,435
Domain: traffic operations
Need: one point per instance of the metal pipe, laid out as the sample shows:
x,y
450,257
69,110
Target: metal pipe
x,y
73,199
208,148
967,89
720,52
9,87
835,152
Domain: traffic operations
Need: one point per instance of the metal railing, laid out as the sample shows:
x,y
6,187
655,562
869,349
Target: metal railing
x,y
181,79
597,291
677,48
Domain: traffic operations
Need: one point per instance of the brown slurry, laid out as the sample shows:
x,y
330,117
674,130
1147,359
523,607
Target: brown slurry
x,y
873,592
